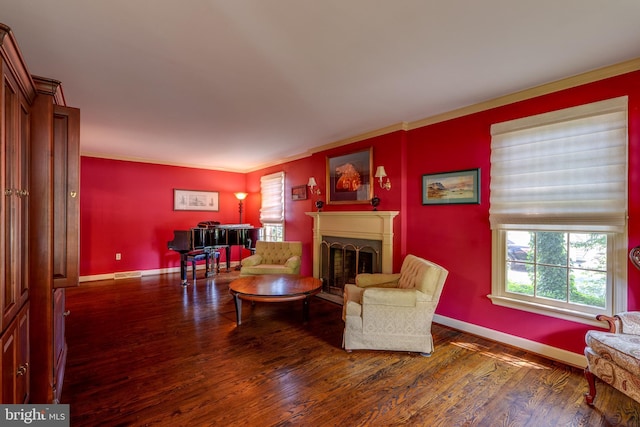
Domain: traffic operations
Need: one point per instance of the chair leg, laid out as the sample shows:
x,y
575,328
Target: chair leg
x,y
591,379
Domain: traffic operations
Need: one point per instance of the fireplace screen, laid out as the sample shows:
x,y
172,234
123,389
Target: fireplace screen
x,y
342,259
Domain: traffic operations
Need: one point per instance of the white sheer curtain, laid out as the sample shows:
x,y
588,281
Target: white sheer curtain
x,y
564,170
272,189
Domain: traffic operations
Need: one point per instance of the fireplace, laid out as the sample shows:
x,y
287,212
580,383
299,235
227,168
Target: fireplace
x,y
342,258
361,241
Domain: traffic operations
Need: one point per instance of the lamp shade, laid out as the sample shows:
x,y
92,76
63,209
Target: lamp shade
x,y
240,196
380,172
312,182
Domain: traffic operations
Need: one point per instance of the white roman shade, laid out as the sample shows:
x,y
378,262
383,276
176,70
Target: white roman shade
x,y
272,189
563,170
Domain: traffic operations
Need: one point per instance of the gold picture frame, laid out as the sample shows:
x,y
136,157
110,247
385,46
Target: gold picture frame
x,y
349,177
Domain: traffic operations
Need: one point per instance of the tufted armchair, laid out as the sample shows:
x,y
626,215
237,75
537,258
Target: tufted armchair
x,y
273,258
614,355
393,311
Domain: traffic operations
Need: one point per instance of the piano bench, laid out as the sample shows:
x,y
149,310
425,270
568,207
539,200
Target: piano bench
x,y
194,258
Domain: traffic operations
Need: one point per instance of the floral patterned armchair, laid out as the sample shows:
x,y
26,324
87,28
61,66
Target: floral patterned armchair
x,y
614,356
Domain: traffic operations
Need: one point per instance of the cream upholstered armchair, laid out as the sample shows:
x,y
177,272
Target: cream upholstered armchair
x,y
614,355
273,258
393,311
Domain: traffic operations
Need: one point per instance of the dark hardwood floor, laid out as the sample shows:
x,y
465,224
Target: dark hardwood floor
x,y
150,352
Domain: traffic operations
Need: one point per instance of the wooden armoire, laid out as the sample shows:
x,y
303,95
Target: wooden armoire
x,y
39,227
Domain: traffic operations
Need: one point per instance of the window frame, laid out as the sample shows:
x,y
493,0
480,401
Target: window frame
x,y
272,222
616,282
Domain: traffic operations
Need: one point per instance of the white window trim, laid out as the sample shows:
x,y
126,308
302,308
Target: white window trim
x,y
619,287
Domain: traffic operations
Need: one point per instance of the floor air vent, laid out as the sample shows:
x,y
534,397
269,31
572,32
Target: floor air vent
x,y
127,275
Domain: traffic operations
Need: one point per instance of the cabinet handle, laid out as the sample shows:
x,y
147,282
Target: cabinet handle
x,y
66,313
8,192
22,369
73,194
23,193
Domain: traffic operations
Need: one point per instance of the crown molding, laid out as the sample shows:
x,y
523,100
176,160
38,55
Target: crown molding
x,y
50,87
13,59
368,135
545,89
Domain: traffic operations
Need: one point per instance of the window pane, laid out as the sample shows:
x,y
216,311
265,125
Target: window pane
x,y
551,248
588,255
551,282
519,281
588,251
518,249
273,232
588,288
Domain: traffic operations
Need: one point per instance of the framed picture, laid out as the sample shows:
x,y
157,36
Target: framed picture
x,y
451,187
349,178
192,200
299,192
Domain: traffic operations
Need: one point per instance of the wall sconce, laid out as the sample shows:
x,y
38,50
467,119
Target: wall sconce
x,y
314,189
381,174
313,186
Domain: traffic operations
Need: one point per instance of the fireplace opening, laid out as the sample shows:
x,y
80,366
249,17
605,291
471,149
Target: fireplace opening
x,y
343,258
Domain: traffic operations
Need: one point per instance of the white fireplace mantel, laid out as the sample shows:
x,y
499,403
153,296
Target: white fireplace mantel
x,y
370,225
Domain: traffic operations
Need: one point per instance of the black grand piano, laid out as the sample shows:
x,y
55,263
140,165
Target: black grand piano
x,y
204,241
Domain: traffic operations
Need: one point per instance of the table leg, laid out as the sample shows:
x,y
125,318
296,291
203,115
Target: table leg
x,y
238,302
305,310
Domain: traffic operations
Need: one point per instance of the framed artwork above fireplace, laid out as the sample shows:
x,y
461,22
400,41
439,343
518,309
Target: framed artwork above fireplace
x,y
349,177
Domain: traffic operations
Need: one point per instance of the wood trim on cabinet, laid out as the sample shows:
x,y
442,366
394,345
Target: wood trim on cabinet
x,y
15,62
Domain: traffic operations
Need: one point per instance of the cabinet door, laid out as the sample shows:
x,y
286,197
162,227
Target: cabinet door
x,y
22,369
59,342
66,196
15,360
13,236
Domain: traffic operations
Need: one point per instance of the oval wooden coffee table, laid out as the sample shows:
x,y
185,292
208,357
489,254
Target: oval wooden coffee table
x,y
274,288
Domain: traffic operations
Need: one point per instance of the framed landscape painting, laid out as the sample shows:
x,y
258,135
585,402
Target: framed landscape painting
x,y
349,178
448,188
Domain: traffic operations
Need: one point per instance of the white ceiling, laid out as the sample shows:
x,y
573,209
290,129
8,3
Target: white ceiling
x,y
239,84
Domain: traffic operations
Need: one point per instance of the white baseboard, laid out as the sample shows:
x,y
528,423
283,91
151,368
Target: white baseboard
x,y
564,356
142,273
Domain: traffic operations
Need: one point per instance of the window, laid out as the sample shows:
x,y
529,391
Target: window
x,y
272,210
558,211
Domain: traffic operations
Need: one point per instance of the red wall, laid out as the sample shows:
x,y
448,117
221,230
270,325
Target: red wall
x,y
127,207
459,237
